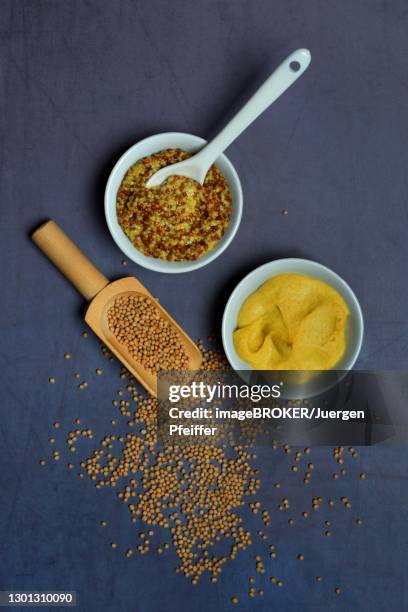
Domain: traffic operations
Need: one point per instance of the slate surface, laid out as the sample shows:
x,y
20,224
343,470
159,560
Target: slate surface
x,y
81,81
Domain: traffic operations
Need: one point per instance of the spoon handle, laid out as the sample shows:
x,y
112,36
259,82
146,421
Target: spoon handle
x,y
283,77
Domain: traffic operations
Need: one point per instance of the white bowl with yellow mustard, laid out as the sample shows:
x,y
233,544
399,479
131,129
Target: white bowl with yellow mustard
x,y
292,314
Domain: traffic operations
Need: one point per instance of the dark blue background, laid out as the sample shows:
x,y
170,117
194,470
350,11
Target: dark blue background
x,y
81,81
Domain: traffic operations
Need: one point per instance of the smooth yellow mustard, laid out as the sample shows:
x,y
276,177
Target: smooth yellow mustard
x,y
292,322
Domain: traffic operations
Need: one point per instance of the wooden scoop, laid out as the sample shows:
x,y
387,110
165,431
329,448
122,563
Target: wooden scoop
x,y
101,294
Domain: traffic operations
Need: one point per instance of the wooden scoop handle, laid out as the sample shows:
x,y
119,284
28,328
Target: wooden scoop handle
x,y
50,238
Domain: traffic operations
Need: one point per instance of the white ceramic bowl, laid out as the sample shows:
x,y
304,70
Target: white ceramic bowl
x,y
355,326
145,147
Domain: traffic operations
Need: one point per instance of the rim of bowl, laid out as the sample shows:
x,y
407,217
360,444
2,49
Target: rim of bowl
x,y
348,294
162,265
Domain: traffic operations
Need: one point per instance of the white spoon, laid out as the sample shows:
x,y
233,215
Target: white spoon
x,y
197,166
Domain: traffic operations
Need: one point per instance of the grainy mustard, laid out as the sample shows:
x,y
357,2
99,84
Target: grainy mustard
x,y
179,221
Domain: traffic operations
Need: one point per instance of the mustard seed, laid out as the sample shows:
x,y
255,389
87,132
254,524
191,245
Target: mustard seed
x,y
170,478
51,380
137,323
